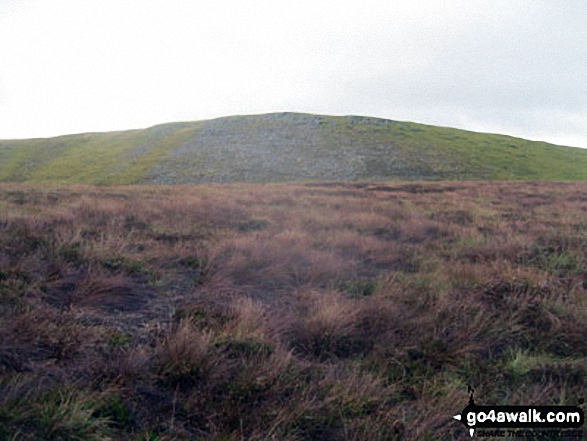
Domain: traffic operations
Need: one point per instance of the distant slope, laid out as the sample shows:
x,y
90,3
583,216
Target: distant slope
x,y
286,147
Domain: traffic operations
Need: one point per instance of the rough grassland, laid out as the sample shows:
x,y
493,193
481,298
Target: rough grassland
x,y
286,147
286,312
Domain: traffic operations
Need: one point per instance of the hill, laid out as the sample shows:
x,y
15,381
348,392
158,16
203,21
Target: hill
x,y
284,147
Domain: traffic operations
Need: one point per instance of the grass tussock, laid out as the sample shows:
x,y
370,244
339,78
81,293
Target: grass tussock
x,y
286,312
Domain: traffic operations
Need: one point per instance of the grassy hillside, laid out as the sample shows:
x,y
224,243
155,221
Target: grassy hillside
x,y
287,312
286,147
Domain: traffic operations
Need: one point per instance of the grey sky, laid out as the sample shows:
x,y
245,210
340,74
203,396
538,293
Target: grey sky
x,y
516,67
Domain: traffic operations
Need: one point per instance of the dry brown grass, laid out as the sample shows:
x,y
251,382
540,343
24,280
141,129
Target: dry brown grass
x,y
335,311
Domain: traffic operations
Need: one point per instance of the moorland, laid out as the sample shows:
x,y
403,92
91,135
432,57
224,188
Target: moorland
x,y
356,311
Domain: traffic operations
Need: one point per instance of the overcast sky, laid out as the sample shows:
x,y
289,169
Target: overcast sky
x,y
517,67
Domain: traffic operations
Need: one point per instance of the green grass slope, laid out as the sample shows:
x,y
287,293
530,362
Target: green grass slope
x,y
286,147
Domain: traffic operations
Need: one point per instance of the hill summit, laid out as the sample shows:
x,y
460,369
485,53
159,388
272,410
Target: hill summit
x,y
284,147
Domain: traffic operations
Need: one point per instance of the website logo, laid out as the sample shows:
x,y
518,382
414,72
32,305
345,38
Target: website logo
x,y
510,419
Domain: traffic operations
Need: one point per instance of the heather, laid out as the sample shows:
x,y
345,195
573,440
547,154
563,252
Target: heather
x,y
357,311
